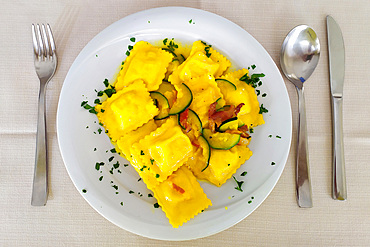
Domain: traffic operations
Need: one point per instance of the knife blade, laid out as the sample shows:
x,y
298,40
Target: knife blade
x,y
336,69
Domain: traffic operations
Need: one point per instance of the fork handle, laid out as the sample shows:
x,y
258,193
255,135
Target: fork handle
x,y
40,178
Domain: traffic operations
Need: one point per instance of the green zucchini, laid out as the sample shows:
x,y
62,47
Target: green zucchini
x,y
193,120
206,150
162,103
183,102
168,90
225,85
220,103
230,124
220,140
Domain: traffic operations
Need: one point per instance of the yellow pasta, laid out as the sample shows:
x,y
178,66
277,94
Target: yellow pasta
x,y
181,197
164,137
126,110
145,62
223,164
164,150
244,93
205,92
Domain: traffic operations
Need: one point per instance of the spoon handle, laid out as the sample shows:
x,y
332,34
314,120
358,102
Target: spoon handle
x,y
303,184
339,176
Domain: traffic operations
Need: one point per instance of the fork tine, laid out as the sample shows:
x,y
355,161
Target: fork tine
x,y
41,41
46,40
51,39
36,48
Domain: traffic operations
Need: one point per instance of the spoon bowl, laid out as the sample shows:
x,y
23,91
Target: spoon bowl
x,y
299,57
300,54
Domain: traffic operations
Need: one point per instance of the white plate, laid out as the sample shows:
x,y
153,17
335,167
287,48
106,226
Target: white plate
x,y
100,59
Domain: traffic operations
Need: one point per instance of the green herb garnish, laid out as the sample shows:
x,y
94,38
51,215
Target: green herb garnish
x,y
98,165
239,184
133,39
263,109
156,205
243,174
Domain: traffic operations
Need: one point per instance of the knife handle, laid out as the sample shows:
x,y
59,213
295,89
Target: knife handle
x,y
303,183
339,173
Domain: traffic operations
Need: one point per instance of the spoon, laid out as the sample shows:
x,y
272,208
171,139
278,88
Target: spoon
x,y
299,56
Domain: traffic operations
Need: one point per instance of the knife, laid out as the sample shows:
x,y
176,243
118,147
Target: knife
x,y
336,68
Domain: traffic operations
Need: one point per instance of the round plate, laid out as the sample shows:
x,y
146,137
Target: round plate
x,y
118,194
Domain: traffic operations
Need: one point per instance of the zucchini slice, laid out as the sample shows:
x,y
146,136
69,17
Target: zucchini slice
x,y
230,124
183,101
168,91
193,120
206,150
225,85
220,140
220,103
162,103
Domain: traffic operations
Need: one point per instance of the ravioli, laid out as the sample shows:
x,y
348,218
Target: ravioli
x,y
145,62
205,92
199,63
164,150
126,110
170,157
244,93
222,165
181,197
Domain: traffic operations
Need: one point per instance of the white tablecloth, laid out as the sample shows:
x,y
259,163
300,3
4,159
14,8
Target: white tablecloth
x,y
67,219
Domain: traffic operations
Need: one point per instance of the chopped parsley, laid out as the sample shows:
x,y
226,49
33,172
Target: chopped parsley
x,y
254,80
83,103
272,163
279,137
270,136
113,150
106,82
150,195
127,53
101,178
115,187
121,203
156,205
152,161
190,21
251,130
111,158
116,165
131,192
100,130
94,149
264,94
157,175
263,109
165,41
142,152
98,165
133,39
239,184
84,190
243,174
130,47
253,66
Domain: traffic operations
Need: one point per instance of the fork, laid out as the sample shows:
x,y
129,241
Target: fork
x,y
45,65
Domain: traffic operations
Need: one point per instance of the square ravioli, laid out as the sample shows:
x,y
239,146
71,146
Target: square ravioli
x,y
164,150
222,165
126,110
202,60
145,62
181,197
205,92
244,93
